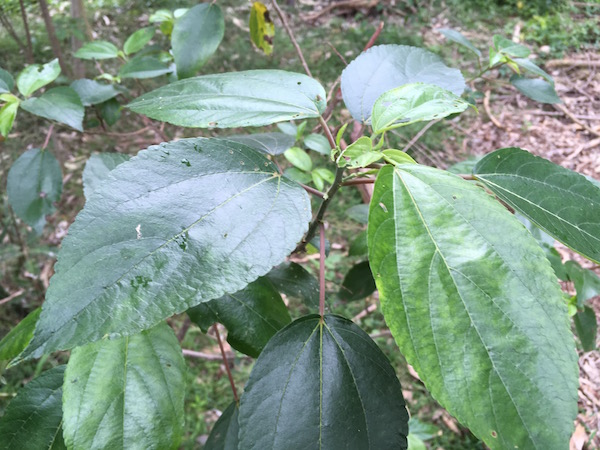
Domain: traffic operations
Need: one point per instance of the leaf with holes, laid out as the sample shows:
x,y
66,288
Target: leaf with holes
x,y
35,76
262,29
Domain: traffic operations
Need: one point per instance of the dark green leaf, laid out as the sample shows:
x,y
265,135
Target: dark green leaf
x,y
35,76
385,67
34,184
510,48
561,202
224,435
322,383
360,213
252,316
181,223
17,339
97,50
144,67
455,36
358,283
358,247
61,104
474,306
530,66
92,92
318,143
33,419
237,99
536,89
196,36
110,111
586,327
295,281
298,158
125,393
271,143
138,40
97,168
6,81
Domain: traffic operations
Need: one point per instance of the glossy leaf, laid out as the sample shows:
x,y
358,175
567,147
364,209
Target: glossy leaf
x,y
474,306
510,48
6,81
414,102
322,384
455,36
271,143
36,76
318,143
97,168
385,67
138,40
196,36
295,281
125,393
144,67
298,158
536,89
358,283
17,339
224,435
180,223
92,92
587,328
8,112
561,202
236,99
262,29
34,185
61,104
97,50
33,418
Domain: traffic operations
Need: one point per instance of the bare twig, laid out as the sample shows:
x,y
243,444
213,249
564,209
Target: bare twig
x,y
226,363
48,134
322,270
571,62
339,55
12,296
288,30
374,36
312,191
29,48
488,111
369,309
571,116
201,355
358,181
417,136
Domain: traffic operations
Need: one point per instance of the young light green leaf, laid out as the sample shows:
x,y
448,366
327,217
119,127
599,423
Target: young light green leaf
x,y
138,40
331,371
396,157
326,174
288,128
8,112
17,339
455,36
271,143
144,67
299,158
318,143
97,169
586,326
358,283
295,281
196,36
180,223
35,76
125,393
490,343
536,89
97,50
297,175
262,29
6,81
224,435
92,92
562,203
237,99
61,104
530,66
317,180
34,185
160,16
33,418
385,67
411,103
510,48
252,316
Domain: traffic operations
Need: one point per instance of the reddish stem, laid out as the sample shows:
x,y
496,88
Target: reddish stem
x,y
47,140
231,382
312,191
359,181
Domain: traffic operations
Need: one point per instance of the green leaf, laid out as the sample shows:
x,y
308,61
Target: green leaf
x,y
474,306
34,185
237,99
35,76
536,89
322,383
297,175
396,157
97,169
288,128
411,103
110,111
271,143
161,15
562,203
183,222
196,36
142,67
464,167
587,328
262,29
252,316
422,430
318,143
318,181
385,67
455,36
8,112
299,158
92,92
530,66
33,418
138,40
414,443
358,247
224,435
17,339
295,281
6,81
358,283
510,48
125,393
359,213
586,282
97,50
61,104
325,174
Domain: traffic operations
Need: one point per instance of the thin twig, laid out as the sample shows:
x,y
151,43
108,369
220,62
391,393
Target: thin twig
x,y
486,107
570,115
115,134
48,134
358,181
327,132
11,296
322,270
184,329
226,363
201,355
374,36
339,55
286,25
418,136
312,191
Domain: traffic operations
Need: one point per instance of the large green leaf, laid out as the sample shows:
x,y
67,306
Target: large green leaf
x,y
271,143
414,102
236,99
322,383
7,82
61,104
97,50
474,306
35,76
295,281
138,40
180,223
17,339
252,316
125,393
144,67
536,89
34,185
33,419
385,67
92,92
97,169
561,202
196,36
224,435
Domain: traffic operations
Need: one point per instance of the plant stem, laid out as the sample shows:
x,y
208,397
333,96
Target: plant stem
x,y
358,181
312,191
288,30
48,134
417,136
322,270
226,363
29,48
327,132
